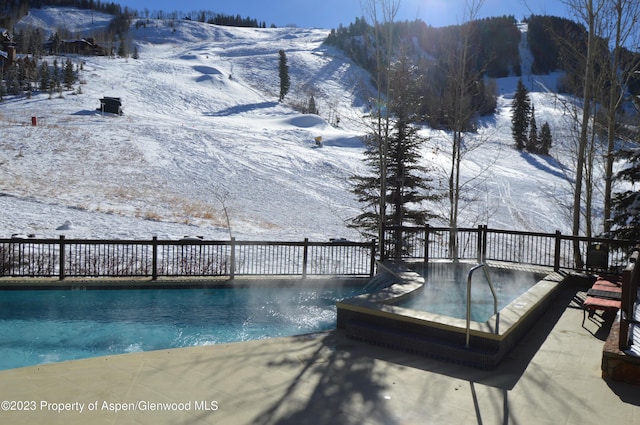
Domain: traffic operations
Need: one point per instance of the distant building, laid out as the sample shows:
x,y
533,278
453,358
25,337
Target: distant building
x,y
86,46
7,48
5,37
112,105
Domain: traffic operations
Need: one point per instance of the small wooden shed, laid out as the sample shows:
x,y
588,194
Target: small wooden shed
x,y
112,105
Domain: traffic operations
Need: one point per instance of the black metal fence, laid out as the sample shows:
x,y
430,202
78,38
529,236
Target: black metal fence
x,y
155,258
182,258
483,244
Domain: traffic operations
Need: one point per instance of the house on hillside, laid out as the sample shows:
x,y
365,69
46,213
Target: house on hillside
x,y
112,105
7,48
5,37
85,46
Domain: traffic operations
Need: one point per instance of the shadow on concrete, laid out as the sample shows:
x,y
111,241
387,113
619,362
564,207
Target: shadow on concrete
x,y
346,387
628,393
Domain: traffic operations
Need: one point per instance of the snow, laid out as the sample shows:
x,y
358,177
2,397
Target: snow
x,y
76,21
202,129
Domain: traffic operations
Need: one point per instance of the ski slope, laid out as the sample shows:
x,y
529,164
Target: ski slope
x,y
202,131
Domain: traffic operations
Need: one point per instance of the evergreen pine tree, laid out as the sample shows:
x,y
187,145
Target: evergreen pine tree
x,y
545,139
521,108
122,50
366,188
13,84
44,76
408,183
626,205
533,144
311,108
69,75
55,77
283,68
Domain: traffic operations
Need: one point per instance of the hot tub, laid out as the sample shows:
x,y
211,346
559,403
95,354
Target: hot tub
x,y
387,318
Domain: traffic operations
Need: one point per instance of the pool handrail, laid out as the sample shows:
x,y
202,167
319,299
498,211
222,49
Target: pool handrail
x,y
485,267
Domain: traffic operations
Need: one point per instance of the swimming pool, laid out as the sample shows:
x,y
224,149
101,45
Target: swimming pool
x,y
44,326
383,318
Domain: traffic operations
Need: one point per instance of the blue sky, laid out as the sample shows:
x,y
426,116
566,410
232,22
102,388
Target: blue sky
x,y
331,13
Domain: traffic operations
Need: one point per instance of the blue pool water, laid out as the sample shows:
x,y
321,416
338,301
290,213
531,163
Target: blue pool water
x,y
445,290
43,326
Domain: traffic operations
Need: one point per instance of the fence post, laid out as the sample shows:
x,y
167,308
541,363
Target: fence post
x,y
372,265
427,231
232,266
61,274
382,240
485,234
154,259
479,244
398,242
556,259
305,257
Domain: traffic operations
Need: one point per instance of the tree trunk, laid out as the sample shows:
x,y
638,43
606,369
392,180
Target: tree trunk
x,y
611,121
460,112
584,134
383,49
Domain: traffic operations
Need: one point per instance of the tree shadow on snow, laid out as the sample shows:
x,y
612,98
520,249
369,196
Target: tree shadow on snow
x,y
344,142
551,166
234,110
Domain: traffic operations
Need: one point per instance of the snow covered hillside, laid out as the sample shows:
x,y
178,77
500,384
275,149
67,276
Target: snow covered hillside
x,y
202,130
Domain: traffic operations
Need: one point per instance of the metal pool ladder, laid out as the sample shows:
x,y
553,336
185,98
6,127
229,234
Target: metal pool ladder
x,y
493,292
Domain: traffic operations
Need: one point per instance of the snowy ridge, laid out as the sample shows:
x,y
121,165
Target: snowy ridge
x,y
51,19
202,127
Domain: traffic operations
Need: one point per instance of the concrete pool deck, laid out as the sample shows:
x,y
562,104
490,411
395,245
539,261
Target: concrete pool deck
x,y
552,377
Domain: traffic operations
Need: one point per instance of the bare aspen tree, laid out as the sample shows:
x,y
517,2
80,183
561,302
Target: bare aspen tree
x,y
382,14
461,81
624,16
589,11
222,195
610,25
